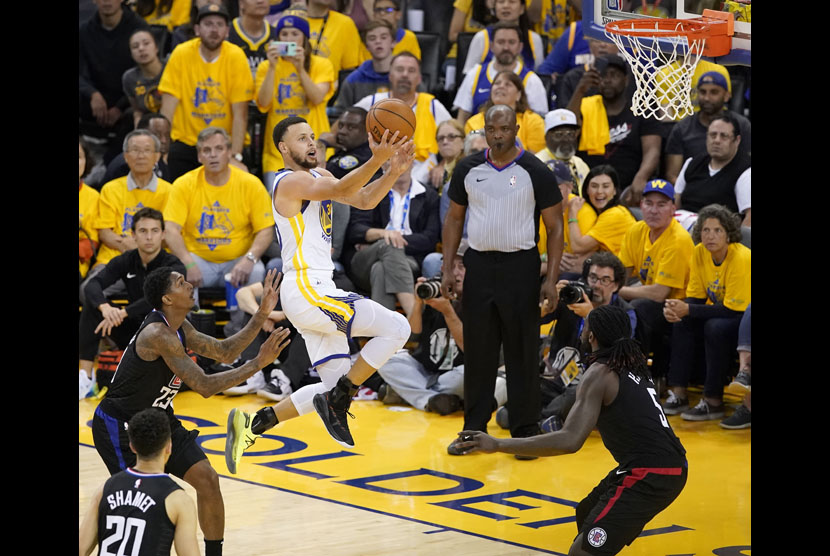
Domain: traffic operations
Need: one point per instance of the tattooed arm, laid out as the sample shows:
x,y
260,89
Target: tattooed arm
x,y
162,341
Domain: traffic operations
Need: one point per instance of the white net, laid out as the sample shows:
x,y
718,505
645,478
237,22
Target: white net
x,y
663,78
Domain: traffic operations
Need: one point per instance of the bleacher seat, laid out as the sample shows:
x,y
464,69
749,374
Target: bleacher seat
x,y
430,44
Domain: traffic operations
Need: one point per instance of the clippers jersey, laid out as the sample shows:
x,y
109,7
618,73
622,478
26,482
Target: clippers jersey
x,y
138,384
132,517
305,238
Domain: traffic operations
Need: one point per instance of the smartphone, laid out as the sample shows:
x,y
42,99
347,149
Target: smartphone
x,y
285,48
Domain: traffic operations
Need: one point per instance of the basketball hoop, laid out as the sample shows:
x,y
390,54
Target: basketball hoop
x,y
663,54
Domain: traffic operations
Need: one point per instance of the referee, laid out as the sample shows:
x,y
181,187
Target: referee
x,y
504,189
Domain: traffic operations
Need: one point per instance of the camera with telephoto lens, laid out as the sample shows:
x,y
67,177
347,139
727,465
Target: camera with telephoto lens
x,y
572,293
429,289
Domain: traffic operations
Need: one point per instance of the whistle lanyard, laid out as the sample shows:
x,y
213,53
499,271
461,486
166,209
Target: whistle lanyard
x,y
168,324
390,226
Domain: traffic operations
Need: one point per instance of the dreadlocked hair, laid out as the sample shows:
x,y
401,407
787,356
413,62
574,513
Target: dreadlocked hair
x,y
612,329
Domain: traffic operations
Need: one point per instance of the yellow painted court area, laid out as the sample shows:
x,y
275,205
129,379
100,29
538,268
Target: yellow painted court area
x,y
399,492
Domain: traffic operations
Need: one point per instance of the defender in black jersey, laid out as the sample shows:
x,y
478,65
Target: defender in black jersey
x,y
151,372
617,396
141,510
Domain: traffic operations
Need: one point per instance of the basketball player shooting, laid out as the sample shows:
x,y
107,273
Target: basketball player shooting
x,y
323,314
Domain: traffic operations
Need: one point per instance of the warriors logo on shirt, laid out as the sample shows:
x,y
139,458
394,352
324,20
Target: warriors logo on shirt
x,y
714,291
208,101
325,219
127,220
645,269
214,221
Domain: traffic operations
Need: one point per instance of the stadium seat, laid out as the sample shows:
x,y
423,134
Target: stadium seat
x,y
430,44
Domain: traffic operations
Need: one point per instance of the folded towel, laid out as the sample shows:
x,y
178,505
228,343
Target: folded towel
x,y
595,132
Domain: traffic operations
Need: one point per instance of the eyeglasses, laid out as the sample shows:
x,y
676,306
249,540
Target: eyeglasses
x,y
605,280
387,10
442,138
563,133
724,136
137,152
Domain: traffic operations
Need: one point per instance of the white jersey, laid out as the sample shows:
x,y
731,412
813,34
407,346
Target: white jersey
x,y
305,238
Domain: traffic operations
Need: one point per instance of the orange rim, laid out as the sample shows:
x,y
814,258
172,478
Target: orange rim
x,y
660,28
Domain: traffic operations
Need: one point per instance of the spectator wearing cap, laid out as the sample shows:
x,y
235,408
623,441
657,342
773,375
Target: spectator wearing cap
x,y
292,85
721,175
611,133
688,136
207,82
561,139
656,251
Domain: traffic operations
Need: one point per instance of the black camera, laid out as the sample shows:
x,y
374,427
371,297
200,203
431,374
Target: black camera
x,y
429,289
572,293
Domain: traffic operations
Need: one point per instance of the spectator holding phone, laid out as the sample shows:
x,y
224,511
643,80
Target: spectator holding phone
x,y
292,82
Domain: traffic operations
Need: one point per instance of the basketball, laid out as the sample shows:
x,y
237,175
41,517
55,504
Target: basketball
x,y
392,114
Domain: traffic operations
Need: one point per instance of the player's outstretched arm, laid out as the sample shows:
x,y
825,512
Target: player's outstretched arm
x,y
88,535
228,350
182,513
164,342
579,424
368,197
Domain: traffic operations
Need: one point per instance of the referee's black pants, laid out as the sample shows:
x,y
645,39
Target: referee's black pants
x,y
500,307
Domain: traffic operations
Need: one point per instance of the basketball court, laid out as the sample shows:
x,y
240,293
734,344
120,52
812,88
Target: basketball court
x,y
399,492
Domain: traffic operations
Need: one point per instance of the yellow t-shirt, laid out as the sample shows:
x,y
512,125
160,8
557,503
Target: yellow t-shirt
x,y
179,14
586,217
610,228
556,17
87,213
531,129
205,91
219,223
290,100
339,42
729,283
703,66
408,43
118,204
664,262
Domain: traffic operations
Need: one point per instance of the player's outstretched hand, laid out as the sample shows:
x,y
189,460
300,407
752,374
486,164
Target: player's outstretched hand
x,y
389,144
273,346
270,291
477,441
402,159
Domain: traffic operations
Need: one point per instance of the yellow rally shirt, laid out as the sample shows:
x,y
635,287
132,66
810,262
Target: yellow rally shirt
x,y
531,129
118,204
219,223
205,91
340,42
610,228
729,283
87,214
664,262
586,217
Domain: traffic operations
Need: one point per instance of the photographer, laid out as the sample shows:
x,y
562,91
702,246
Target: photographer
x,y
602,277
431,376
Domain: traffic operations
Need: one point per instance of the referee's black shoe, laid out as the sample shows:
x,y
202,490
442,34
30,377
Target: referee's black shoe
x,y
333,409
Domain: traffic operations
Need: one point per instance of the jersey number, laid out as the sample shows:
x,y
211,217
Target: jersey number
x,y
653,394
124,529
166,397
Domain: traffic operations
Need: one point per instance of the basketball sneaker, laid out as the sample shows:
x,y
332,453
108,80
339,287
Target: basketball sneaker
x,y
278,388
333,408
249,386
239,437
84,385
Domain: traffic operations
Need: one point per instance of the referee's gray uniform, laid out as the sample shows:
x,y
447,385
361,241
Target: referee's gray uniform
x,y
500,304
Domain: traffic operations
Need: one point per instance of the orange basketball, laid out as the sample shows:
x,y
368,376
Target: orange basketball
x,y
392,114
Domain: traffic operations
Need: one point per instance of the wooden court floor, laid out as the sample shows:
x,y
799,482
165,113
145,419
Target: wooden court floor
x,y
399,492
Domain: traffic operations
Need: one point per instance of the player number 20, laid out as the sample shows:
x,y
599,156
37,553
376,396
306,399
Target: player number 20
x,y
125,528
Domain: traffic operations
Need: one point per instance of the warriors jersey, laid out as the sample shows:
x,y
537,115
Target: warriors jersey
x,y
305,238
255,49
132,517
138,384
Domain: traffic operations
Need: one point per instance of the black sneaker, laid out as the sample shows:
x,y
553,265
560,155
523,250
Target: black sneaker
x,y
704,412
278,388
333,407
742,384
444,404
741,419
674,405
502,418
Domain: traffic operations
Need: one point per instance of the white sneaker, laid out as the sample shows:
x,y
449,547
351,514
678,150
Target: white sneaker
x,y
84,384
278,388
250,386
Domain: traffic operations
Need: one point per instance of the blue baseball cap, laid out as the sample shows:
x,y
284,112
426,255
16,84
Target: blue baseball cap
x,y
660,186
561,171
713,78
293,21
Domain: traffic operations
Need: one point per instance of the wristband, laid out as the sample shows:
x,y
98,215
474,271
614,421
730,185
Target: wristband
x,y
189,265
572,220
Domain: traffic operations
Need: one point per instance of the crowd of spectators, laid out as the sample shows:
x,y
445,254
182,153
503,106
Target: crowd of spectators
x,y
178,100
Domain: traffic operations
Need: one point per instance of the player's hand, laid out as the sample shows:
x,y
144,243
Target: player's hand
x,y
270,291
388,145
241,271
273,346
477,441
394,238
402,159
548,297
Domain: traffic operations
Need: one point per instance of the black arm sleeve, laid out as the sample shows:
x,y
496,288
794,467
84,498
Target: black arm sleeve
x,y
115,270
699,310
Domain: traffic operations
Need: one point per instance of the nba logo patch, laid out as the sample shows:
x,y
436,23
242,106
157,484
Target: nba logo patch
x,y
176,382
597,536
512,182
